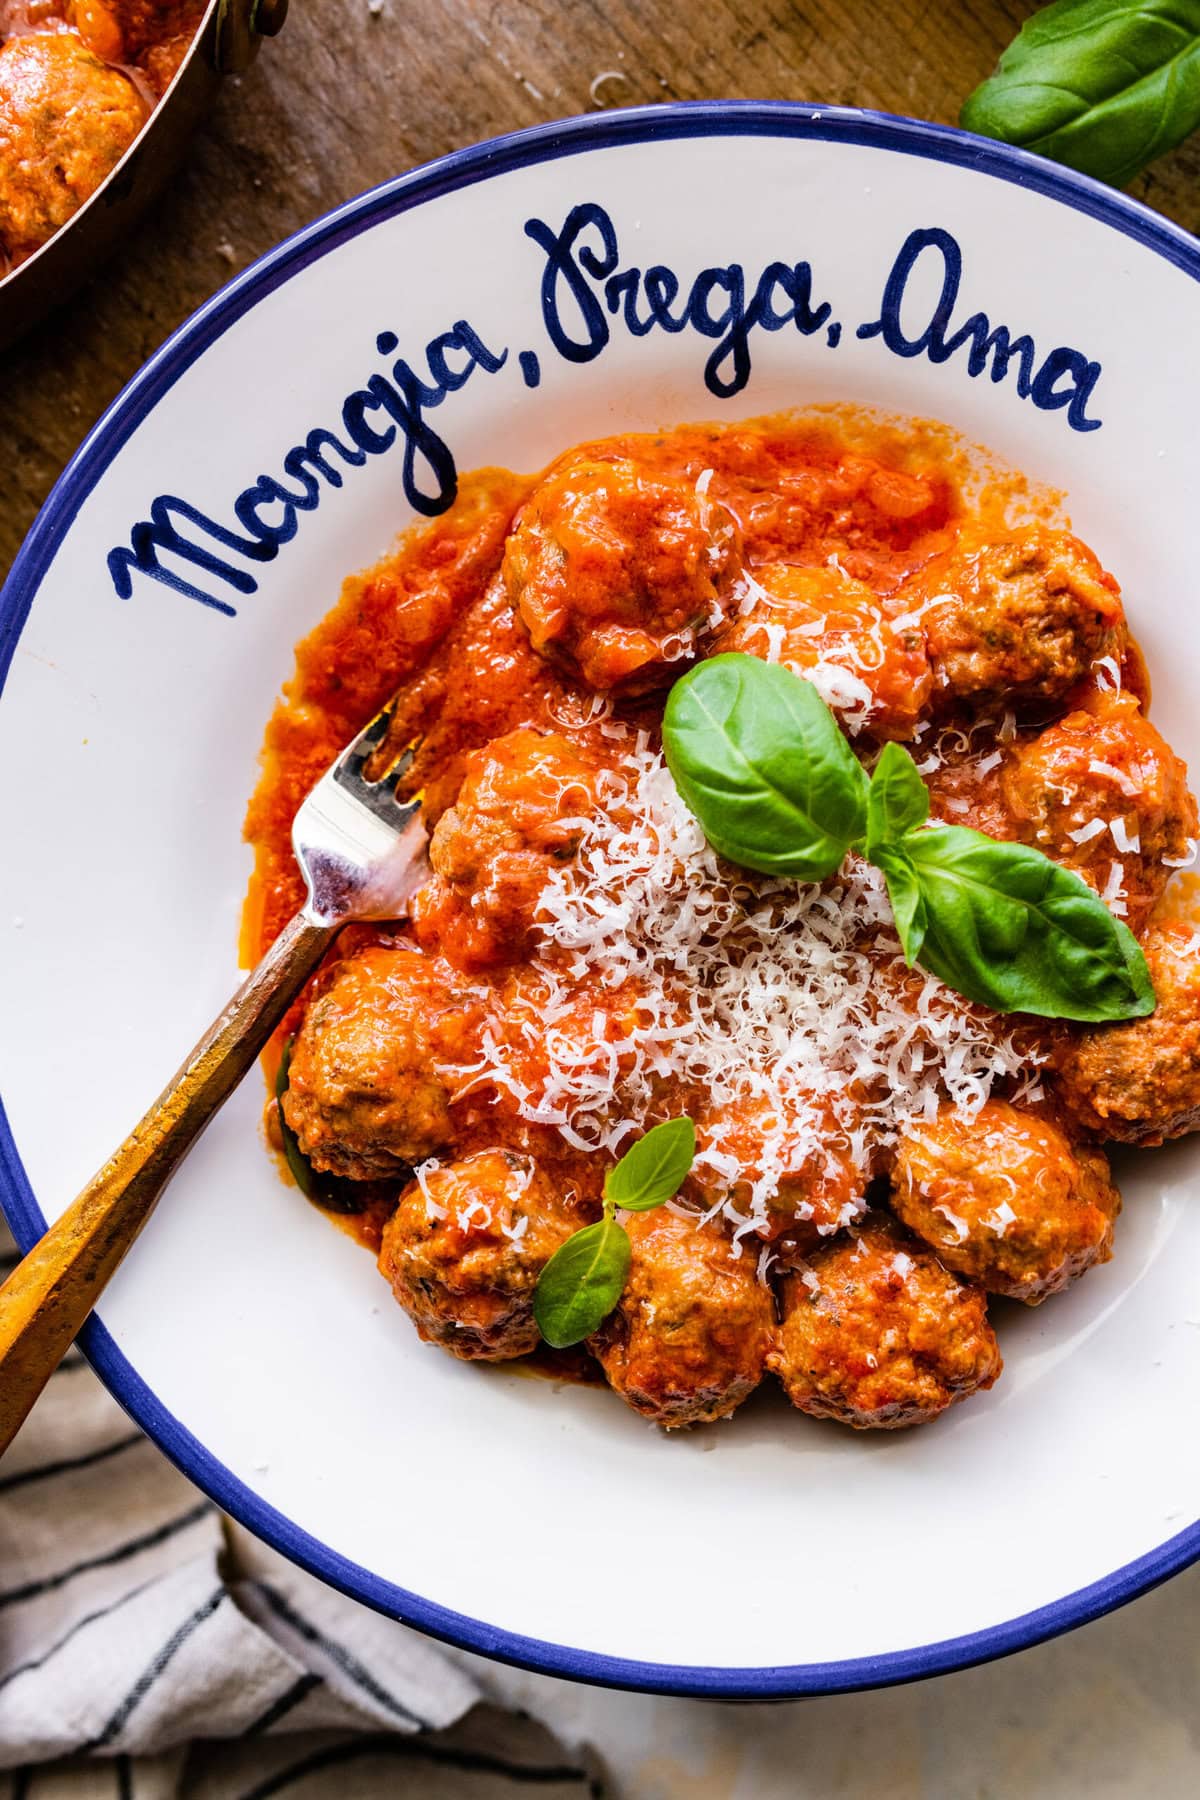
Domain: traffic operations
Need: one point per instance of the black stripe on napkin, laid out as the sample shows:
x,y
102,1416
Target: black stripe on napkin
x,y
155,1667
102,1612
122,1553
46,1470
444,1755
278,1709
340,1657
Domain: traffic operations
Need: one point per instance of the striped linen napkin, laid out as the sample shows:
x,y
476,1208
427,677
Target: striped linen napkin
x,y
140,1627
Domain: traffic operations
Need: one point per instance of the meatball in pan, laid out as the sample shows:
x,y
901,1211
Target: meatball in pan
x,y
66,119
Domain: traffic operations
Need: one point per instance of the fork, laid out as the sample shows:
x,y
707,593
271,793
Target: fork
x,y
362,852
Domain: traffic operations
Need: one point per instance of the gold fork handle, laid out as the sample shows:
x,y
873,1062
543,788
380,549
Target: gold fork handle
x,y
49,1295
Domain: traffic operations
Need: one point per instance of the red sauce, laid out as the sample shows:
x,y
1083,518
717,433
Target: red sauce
x,y
430,619
476,1046
803,491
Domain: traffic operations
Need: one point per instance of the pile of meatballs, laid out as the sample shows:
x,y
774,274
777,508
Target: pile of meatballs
x,y
78,80
1005,662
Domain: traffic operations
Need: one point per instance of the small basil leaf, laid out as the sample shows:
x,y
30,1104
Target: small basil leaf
x,y
761,761
1009,928
1102,85
330,1191
581,1283
897,800
299,1165
654,1169
907,901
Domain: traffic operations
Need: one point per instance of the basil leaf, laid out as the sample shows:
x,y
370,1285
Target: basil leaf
x,y
897,800
761,761
653,1169
1008,927
332,1192
298,1164
1105,86
581,1283
908,902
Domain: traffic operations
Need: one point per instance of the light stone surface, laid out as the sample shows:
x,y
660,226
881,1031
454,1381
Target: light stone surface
x,y
1110,1712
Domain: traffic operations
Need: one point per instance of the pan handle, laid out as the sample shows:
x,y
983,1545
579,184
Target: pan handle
x,y
240,25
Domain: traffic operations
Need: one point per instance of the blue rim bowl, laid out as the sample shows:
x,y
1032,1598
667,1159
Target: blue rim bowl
x,y
461,169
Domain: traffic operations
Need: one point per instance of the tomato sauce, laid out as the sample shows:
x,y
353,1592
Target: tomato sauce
x,y
432,621
580,965
427,618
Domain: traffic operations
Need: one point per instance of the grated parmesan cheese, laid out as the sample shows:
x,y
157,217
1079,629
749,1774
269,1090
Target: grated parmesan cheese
x,y
422,1172
1108,772
1186,861
957,1225
785,1012
1112,893
1108,673
842,691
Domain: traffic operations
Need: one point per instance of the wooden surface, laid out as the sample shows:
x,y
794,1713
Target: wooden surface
x,y
357,90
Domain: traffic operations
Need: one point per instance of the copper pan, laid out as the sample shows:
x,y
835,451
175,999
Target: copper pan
x,y
226,42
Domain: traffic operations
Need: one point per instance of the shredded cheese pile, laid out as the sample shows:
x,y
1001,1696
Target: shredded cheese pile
x,y
803,1044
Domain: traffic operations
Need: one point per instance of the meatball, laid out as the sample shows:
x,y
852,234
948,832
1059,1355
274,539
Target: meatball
x,y
800,1195
518,817
1140,1082
122,30
831,629
1018,619
687,1341
617,571
465,1247
874,1332
964,772
65,121
368,1091
1006,1199
878,1334
1104,794
160,62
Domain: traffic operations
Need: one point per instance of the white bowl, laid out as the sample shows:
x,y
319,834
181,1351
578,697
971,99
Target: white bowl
x,y
258,1346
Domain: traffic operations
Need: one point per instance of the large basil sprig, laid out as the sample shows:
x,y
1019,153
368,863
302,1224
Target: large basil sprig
x,y
1105,86
999,923
585,1277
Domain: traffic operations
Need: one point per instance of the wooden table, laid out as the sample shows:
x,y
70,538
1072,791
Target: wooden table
x,y
357,90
